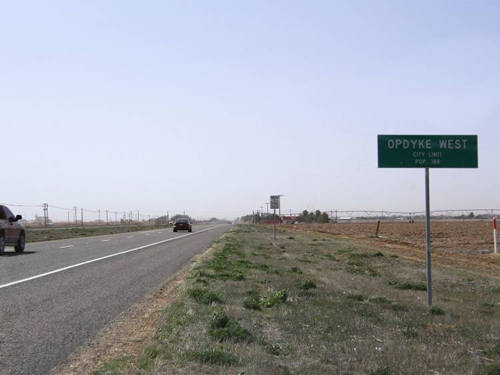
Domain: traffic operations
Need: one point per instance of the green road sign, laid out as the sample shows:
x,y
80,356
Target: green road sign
x,y
275,202
427,151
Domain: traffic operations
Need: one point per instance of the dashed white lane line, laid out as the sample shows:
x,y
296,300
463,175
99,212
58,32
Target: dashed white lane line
x,y
101,258
105,240
65,247
130,237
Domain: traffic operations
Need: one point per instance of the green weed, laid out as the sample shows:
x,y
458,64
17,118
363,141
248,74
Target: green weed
x,y
224,328
379,300
435,310
359,268
149,355
492,369
407,285
409,332
384,370
203,296
355,297
219,320
274,298
495,351
398,307
213,356
252,301
488,305
231,331
113,367
308,284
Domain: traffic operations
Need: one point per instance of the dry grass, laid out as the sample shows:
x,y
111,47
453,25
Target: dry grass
x,y
50,234
313,304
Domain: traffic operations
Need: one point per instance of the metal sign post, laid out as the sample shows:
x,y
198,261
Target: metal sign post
x,y
428,237
275,204
427,151
274,224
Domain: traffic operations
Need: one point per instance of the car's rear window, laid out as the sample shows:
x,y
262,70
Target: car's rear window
x,y
182,221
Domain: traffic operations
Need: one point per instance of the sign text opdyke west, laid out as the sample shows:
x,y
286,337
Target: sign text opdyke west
x,y
427,151
444,144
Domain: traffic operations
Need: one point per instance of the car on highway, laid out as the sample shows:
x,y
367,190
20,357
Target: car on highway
x,y
183,224
12,232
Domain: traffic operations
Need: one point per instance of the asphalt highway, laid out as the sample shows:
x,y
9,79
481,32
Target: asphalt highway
x,y
58,294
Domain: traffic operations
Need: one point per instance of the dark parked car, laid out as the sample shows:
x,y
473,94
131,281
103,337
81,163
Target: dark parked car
x,y
183,224
12,232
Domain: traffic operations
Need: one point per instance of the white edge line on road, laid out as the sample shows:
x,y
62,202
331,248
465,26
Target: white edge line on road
x,y
65,247
101,258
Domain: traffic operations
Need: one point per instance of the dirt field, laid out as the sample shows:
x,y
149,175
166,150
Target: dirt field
x,y
467,244
469,237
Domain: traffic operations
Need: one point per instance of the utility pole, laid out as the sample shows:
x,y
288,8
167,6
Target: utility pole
x,y
76,215
107,219
116,217
267,209
68,217
99,216
81,215
138,216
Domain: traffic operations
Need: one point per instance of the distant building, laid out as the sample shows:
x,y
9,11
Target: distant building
x,y
290,219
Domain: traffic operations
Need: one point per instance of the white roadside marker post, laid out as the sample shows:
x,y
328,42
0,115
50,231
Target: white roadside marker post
x,y
495,239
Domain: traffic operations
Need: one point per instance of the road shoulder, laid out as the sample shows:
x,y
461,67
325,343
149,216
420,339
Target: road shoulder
x,y
130,332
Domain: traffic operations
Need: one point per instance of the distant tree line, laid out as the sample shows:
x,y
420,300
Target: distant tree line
x,y
305,217
314,217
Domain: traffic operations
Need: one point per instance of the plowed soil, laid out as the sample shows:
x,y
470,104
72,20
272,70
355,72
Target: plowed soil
x,y
468,242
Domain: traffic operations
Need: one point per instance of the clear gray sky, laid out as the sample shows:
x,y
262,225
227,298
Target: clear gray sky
x,y
210,106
